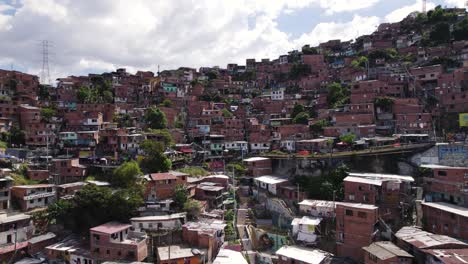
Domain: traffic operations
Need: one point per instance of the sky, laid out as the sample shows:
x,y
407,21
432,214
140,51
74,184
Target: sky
x,y
95,36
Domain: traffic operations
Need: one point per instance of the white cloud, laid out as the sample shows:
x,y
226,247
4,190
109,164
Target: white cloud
x,y
335,6
400,13
456,3
344,31
141,34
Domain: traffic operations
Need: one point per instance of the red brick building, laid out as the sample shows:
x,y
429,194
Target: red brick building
x,y
385,252
67,171
445,219
258,166
354,229
161,186
115,241
33,196
384,190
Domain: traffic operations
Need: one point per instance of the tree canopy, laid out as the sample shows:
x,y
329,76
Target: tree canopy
x,y
94,205
155,118
337,95
298,108
301,118
126,175
154,159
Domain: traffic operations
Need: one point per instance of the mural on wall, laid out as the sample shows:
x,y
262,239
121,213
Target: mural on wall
x,y
453,154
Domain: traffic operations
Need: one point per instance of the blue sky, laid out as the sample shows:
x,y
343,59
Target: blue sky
x,y
102,35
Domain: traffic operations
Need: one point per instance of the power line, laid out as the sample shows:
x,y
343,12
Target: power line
x,y
45,73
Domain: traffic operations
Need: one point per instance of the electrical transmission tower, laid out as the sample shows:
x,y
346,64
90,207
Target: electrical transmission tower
x,y
424,6
45,73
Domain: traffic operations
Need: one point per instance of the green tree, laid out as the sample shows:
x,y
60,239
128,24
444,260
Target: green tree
x,y
238,168
298,108
155,118
336,177
17,136
154,160
299,70
43,92
84,94
317,127
360,63
166,103
126,174
348,138
337,95
212,75
460,31
180,196
107,97
440,33
307,50
47,113
193,209
226,113
301,118
165,134
94,205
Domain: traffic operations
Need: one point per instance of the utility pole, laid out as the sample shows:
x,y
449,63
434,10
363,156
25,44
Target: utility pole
x,y
298,200
45,73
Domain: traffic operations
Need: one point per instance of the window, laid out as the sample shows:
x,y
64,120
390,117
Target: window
x,y
108,252
365,197
372,257
442,173
96,237
32,201
96,250
349,212
351,197
362,215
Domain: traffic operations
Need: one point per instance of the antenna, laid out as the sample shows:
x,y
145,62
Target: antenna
x,y
45,73
424,6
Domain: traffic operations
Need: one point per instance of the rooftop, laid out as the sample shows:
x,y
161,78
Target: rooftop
x,y
110,228
160,217
451,208
385,250
177,252
331,204
270,179
377,182
34,186
210,187
437,166
9,218
382,176
450,256
228,256
425,240
206,224
253,159
306,255
306,220
161,176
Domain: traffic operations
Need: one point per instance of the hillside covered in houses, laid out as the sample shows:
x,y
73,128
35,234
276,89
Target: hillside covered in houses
x,y
180,166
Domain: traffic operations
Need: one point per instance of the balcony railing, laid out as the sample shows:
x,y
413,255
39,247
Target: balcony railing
x,y
39,195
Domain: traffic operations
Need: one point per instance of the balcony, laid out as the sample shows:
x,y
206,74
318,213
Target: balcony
x,y
39,195
385,116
